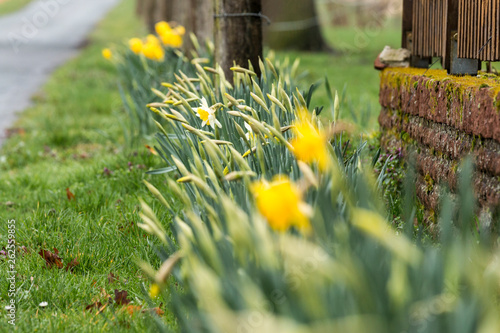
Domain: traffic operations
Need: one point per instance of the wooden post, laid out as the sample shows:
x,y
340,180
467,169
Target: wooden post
x,y
138,8
163,10
295,26
407,23
238,34
203,20
451,28
149,14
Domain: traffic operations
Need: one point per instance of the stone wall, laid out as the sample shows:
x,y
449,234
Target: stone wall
x,y
444,118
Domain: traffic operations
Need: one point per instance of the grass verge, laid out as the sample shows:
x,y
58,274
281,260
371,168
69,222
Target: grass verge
x,y
70,143
9,6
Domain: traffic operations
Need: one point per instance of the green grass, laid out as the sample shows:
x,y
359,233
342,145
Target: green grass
x,y
351,67
10,6
70,135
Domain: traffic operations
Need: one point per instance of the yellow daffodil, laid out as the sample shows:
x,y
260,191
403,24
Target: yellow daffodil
x,y
280,202
154,290
159,53
310,144
162,27
107,54
171,39
152,39
135,45
207,114
180,30
153,51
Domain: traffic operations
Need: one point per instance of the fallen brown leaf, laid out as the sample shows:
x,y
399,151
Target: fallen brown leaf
x,y
51,259
121,297
70,195
96,305
133,308
72,264
157,310
14,131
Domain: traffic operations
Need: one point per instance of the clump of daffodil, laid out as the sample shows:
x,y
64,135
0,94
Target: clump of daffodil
x,y
170,36
151,48
171,39
152,39
153,52
136,45
107,54
280,202
207,114
310,143
162,27
154,290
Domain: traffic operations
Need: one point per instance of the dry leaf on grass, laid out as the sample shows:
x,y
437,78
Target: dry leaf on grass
x,y
96,305
157,311
51,259
69,194
9,132
71,265
121,297
131,309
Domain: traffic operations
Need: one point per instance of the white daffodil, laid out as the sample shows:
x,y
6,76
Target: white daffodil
x,y
207,114
250,135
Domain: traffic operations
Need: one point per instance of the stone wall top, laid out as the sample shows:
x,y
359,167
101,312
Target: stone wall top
x,y
469,104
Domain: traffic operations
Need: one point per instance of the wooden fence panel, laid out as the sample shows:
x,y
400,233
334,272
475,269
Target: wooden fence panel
x,y
479,29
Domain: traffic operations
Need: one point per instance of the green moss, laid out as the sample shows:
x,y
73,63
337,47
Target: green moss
x,y
473,144
457,87
429,182
405,136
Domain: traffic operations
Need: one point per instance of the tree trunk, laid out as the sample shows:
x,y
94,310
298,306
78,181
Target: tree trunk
x,y
148,11
295,25
138,8
203,19
163,10
238,34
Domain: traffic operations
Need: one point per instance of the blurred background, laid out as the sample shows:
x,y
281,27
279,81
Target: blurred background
x,y
339,39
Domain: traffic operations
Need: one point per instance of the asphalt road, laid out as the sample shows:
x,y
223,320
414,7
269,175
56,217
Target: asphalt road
x,y
34,42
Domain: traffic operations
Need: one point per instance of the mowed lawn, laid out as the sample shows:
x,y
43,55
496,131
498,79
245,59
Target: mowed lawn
x,y
71,186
